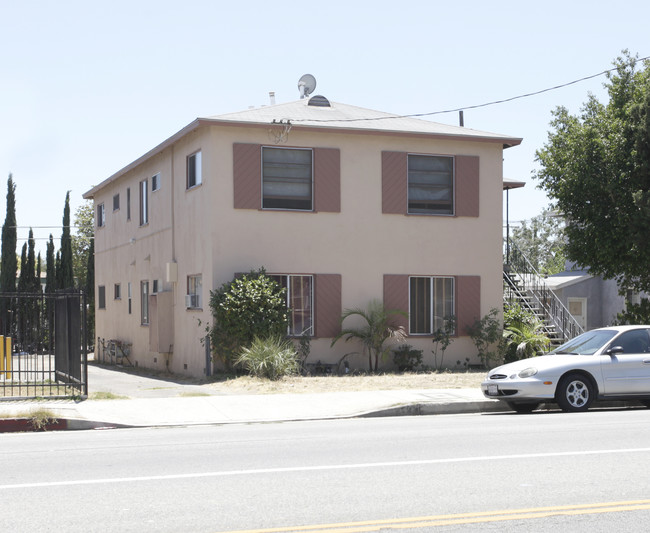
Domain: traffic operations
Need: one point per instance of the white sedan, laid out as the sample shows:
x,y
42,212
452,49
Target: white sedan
x,y
606,364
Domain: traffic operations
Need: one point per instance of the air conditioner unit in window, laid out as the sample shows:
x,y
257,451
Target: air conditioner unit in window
x,y
192,300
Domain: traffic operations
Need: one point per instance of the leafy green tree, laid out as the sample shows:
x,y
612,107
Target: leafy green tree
x,y
541,240
67,273
8,266
595,167
375,331
248,307
81,241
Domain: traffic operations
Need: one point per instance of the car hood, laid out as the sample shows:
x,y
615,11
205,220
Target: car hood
x,y
542,362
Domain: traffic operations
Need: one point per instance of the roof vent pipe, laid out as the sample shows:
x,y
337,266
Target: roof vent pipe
x,y
272,97
461,119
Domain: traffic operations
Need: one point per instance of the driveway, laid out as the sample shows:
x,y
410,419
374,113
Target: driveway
x,y
133,384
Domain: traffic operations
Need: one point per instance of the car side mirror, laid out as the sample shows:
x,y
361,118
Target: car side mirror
x,y
615,350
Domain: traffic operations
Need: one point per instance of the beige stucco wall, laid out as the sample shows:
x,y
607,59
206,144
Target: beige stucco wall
x,y
201,231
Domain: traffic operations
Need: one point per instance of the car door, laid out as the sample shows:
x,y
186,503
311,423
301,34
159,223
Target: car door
x,y
628,371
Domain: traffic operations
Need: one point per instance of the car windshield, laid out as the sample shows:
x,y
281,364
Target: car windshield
x,y
587,343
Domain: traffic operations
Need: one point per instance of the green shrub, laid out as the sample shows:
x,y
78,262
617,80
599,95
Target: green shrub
x,y
271,358
442,339
407,358
486,335
523,333
252,305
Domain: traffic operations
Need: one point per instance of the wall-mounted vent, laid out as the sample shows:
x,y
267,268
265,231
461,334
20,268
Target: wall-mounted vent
x,y
319,101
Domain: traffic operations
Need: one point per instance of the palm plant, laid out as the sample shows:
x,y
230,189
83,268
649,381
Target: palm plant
x,y
523,334
375,331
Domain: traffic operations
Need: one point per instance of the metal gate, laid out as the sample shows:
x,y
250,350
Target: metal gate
x,y
43,348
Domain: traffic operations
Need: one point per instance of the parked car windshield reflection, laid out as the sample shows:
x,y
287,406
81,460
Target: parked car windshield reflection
x,y
588,343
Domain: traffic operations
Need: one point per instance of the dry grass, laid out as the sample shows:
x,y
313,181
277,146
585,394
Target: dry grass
x,y
313,384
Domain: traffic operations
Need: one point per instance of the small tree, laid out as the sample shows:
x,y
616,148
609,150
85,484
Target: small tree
x,y
486,334
250,306
375,332
442,338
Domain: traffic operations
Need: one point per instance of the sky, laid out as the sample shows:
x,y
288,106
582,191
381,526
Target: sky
x,y
86,87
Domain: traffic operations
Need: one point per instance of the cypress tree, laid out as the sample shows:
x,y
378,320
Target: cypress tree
x,y
90,292
8,265
67,275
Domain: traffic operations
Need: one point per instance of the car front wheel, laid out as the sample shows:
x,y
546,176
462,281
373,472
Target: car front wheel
x,y
574,393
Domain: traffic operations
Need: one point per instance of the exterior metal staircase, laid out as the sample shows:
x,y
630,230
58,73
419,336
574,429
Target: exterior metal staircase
x,y
524,285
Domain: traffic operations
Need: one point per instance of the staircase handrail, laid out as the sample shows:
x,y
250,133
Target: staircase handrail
x,y
535,285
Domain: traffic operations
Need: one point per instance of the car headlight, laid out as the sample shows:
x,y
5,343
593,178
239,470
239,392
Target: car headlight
x,y
527,372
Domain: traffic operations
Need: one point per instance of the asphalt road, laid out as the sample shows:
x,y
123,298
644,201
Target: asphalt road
x,y
539,472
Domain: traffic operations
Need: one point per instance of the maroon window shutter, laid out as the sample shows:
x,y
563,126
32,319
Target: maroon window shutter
x,y
468,302
327,180
394,183
467,186
327,305
396,296
247,176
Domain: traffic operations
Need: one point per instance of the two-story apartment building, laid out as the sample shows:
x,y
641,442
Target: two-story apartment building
x,y
343,204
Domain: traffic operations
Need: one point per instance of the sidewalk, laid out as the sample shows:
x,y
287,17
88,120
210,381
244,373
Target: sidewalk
x,y
156,402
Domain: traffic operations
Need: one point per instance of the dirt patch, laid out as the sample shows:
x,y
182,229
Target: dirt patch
x,y
313,384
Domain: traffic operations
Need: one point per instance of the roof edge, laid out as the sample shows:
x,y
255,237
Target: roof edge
x,y
89,195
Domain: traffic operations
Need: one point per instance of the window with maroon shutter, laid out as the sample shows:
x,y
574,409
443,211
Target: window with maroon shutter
x,y
430,184
428,299
295,179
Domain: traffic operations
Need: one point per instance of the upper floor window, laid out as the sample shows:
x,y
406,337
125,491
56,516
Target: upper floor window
x,y
300,298
117,292
431,301
101,297
194,171
287,178
101,216
116,202
128,203
144,203
155,182
430,184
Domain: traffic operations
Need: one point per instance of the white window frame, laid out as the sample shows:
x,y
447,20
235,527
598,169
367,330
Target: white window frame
x,y
144,302
436,321
311,182
194,296
194,170
434,212
293,313
144,202
155,182
117,291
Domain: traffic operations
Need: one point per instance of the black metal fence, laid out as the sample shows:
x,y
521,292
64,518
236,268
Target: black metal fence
x,y
43,346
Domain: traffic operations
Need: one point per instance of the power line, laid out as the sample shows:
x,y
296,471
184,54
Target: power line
x,y
476,106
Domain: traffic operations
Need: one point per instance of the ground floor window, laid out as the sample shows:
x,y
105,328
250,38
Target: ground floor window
x,y
300,299
431,300
193,299
144,303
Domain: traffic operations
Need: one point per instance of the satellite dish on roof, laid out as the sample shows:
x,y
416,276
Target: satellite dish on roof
x,y
306,85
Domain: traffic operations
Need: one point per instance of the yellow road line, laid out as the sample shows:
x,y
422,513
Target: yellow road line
x,y
463,518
